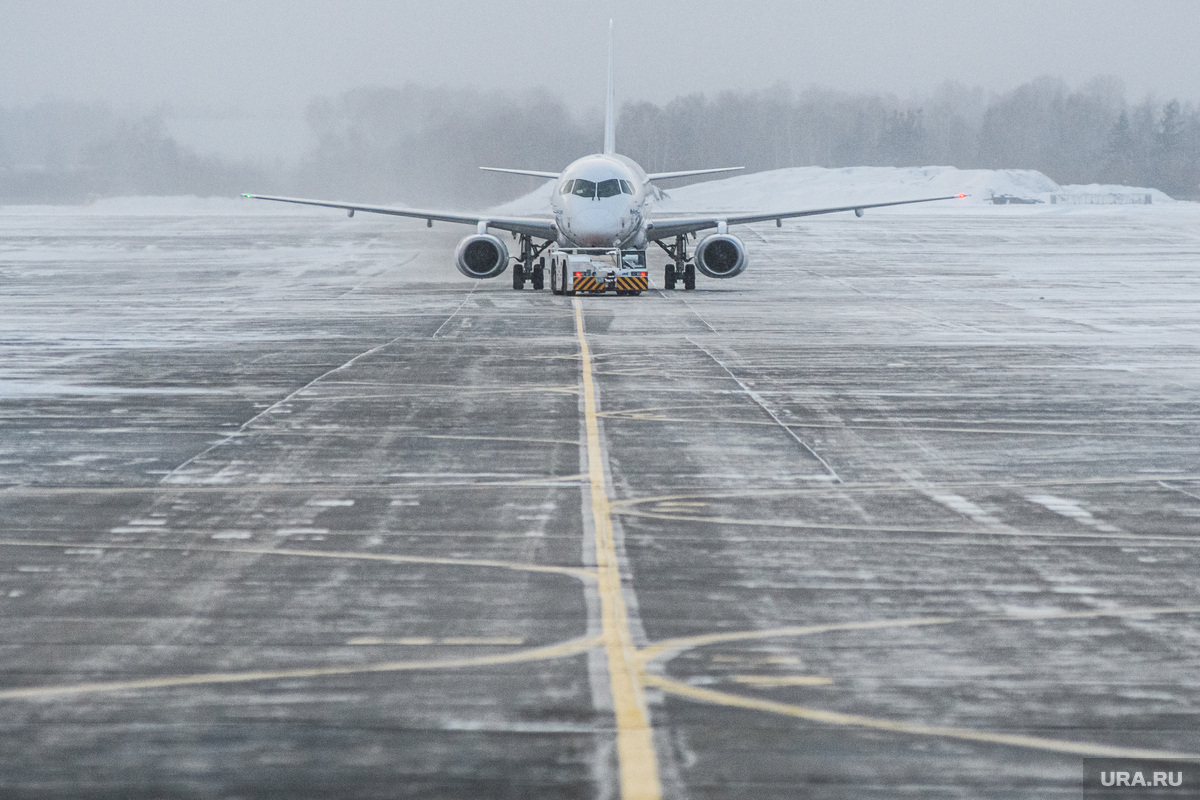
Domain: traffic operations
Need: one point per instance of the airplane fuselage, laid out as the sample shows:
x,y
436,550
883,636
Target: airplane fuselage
x,y
600,201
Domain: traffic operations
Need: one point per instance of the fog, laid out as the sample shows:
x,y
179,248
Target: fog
x,y
402,101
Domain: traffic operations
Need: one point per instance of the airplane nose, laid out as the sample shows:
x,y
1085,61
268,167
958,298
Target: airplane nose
x,y
592,229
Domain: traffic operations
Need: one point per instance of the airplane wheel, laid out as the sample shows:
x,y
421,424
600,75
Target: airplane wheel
x,y
539,277
689,277
669,277
518,277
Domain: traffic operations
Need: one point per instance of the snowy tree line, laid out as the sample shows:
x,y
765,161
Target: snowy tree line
x,y
424,145
1086,135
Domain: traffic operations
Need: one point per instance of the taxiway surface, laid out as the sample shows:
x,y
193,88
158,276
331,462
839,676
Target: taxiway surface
x,y
291,509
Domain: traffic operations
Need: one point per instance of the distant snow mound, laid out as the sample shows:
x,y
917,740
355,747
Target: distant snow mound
x,y
815,187
798,188
1100,190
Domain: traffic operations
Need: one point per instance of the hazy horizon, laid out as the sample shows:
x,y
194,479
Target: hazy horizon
x,y
110,93
224,58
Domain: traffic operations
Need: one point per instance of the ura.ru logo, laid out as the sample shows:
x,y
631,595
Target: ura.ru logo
x,y
1141,779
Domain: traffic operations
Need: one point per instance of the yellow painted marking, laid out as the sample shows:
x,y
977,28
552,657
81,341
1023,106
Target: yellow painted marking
x,y
665,650
872,487
495,641
859,721
574,572
490,439
621,412
681,516
280,488
561,650
442,388
637,761
771,681
911,429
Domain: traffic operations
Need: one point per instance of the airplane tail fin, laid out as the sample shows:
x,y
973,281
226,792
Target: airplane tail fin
x,y
610,127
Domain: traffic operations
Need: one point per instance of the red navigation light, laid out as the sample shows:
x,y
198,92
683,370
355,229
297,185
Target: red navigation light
x,y
961,196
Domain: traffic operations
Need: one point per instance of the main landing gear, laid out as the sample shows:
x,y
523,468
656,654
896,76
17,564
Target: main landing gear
x,y
681,269
524,267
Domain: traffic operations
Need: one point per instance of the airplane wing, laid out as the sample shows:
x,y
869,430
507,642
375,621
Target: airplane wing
x,y
540,227
665,227
684,173
536,173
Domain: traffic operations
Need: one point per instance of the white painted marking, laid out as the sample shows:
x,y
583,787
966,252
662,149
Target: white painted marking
x,y
1072,510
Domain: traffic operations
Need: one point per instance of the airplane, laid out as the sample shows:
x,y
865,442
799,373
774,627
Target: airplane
x,y
601,204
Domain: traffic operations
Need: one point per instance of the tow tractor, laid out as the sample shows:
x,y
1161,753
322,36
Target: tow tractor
x,y
587,271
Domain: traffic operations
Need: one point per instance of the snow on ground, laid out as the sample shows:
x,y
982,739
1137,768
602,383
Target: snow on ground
x,y
812,187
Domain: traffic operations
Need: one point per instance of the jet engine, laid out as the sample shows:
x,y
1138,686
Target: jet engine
x,y
721,255
481,256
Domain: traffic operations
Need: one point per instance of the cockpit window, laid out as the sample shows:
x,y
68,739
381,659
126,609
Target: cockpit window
x,y
609,188
584,188
566,187
625,187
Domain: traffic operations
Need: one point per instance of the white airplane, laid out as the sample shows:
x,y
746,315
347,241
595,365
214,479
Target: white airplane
x,y
601,206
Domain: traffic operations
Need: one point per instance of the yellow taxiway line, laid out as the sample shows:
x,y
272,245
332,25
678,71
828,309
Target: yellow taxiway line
x,y
570,647
517,566
636,758
664,650
667,649
860,721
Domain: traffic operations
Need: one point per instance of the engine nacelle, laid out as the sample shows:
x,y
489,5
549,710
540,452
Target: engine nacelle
x,y
721,255
481,256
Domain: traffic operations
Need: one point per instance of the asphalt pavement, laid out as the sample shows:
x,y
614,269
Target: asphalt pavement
x,y
288,508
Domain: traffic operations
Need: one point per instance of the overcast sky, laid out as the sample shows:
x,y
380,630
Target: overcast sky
x,y
245,56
